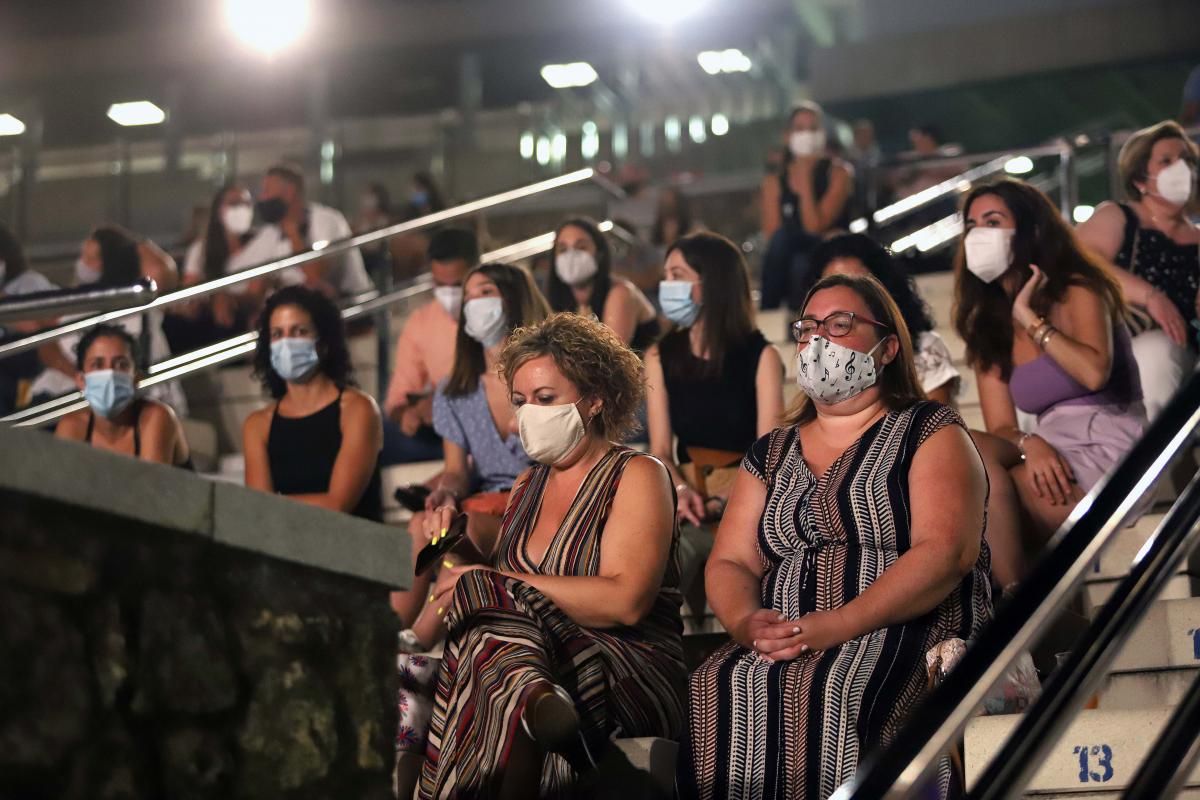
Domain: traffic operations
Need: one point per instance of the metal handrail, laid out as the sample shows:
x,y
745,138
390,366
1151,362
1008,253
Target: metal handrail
x,y
319,251
941,718
243,344
57,302
1080,675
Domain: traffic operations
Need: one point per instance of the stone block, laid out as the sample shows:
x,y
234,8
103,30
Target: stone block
x,y
289,738
75,474
197,765
184,662
302,534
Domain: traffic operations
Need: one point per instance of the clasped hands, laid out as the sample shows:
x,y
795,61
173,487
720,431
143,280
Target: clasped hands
x,y
774,637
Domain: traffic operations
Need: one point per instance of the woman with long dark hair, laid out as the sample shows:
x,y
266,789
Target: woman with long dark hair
x,y
1043,324
714,382
224,314
856,254
16,278
581,280
319,439
804,201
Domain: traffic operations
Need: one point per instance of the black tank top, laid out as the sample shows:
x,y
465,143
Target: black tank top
x,y
302,451
716,410
789,201
1166,265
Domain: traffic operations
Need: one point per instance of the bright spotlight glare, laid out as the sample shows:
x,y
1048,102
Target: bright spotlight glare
x,y
527,145
1021,165
1083,213
558,147
696,130
665,12
719,124
568,76
543,150
10,125
714,62
589,145
137,112
267,25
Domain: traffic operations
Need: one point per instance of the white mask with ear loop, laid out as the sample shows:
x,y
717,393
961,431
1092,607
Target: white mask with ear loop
x,y
1174,183
830,373
988,252
550,433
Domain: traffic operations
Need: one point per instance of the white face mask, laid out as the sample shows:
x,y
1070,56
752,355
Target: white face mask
x,y
449,298
85,274
989,252
830,373
1175,183
237,219
806,143
575,266
483,320
550,433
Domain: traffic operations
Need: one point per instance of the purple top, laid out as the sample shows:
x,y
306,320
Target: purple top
x,y
1040,384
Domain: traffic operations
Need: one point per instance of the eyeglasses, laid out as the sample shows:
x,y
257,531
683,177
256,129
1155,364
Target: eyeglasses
x,y
836,325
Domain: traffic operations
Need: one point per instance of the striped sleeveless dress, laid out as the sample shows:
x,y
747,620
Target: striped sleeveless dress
x,y
797,729
504,636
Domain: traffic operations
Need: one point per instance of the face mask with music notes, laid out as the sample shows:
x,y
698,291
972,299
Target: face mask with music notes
x,y
830,373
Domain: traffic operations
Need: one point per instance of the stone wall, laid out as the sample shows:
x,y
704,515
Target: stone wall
x,y
138,661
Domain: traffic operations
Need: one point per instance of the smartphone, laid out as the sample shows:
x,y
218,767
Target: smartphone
x,y
432,553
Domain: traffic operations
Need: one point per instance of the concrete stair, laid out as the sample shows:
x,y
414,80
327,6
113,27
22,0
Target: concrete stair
x,y
1100,750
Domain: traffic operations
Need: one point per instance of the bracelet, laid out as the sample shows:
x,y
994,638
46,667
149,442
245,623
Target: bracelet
x,y
681,487
1035,326
1047,336
1024,437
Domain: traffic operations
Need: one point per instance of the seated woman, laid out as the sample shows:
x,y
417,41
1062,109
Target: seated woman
x,y
856,254
113,257
319,440
1043,326
116,418
852,544
570,635
714,382
582,281
1156,248
224,314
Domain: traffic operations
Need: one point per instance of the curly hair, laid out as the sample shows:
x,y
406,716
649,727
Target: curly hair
x,y
331,338
590,356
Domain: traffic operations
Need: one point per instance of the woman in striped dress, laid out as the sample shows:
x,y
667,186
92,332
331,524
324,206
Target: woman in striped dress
x,y
571,636
852,544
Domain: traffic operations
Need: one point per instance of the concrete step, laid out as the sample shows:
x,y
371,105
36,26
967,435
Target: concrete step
x,y
1168,636
1131,691
1179,587
1100,750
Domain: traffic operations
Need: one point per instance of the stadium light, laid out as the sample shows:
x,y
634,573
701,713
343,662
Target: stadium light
x,y
1082,213
569,76
136,112
1021,165
267,25
719,124
697,130
715,62
526,145
665,12
589,145
10,125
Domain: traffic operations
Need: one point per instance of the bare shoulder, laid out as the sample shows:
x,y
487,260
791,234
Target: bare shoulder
x,y
158,414
73,425
646,473
258,422
948,450
359,403
1107,214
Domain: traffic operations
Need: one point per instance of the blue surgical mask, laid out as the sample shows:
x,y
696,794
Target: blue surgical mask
x,y
108,392
675,298
419,198
294,359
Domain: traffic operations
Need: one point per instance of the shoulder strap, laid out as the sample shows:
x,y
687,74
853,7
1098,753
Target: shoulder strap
x,y
137,430
91,424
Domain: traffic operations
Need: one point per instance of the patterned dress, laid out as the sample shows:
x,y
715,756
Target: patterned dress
x,y
504,635
797,729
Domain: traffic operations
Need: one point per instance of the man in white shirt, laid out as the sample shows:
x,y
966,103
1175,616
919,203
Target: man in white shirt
x,y
292,225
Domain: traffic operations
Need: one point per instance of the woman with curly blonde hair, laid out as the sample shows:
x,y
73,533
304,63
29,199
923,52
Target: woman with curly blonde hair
x,y
570,635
